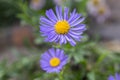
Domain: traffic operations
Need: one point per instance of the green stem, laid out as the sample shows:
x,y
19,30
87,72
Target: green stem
x,y
61,75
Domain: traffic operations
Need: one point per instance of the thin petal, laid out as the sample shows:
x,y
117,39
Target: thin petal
x,y
66,10
46,21
78,22
71,41
72,15
48,14
52,52
76,17
111,78
58,13
117,76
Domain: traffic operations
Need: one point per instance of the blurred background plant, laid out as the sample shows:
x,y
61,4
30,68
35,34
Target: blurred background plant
x,y
21,43
8,11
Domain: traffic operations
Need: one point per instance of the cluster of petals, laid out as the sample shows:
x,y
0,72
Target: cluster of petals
x,y
116,77
53,60
60,27
70,29
99,10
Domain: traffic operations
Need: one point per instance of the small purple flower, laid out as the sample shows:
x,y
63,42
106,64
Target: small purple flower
x,y
62,27
116,77
103,14
58,2
37,4
53,60
99,10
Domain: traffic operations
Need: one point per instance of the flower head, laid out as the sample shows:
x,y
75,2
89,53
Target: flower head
x,y
58,2
62,27
37,4
99,10
117,77
103,14
53,60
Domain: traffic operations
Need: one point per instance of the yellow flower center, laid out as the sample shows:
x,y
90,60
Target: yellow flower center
x,y
96,2
101,11
54,62
62,27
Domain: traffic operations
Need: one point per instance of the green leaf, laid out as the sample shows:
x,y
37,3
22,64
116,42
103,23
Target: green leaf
x,y
91,75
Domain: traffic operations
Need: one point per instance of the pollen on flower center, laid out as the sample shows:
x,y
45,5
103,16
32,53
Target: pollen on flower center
x,y
62,27
95,2
101,11
54,62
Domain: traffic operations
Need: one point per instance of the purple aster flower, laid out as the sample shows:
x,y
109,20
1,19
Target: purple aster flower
x,y
53,60
117,77
62,27
99,10
58,2
37,4
103,14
